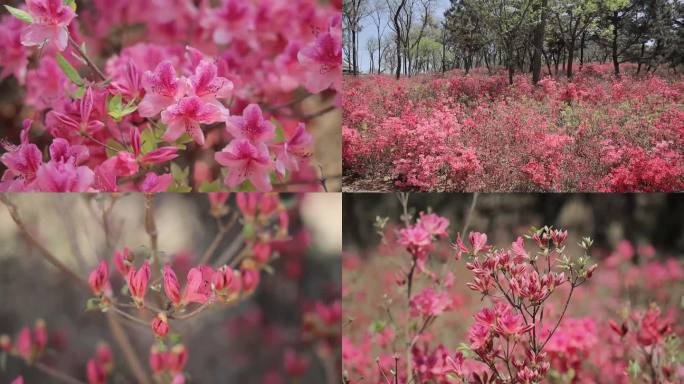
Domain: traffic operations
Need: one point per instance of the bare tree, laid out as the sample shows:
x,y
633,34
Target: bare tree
x,y
377,14
353,11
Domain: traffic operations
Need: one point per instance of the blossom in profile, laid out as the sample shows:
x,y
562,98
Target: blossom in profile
x,y
49,25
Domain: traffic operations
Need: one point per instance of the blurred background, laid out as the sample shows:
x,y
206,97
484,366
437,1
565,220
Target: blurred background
x,y
242,344
607,218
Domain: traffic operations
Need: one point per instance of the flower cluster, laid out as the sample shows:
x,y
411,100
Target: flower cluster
x,y
29,344
220,112
475,132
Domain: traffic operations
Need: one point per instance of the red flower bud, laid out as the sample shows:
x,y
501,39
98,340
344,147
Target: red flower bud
x,y
122,261
160,325
137,283
5,343
40,335
171,285
157,360
250,279
103,355
95,372
261,252
177,358
99,279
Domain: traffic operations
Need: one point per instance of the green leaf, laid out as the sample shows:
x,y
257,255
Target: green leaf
x,y
69,70
79,92
114,104
184,139
70,3
175,338
19,14
181,178
148,141
92,304
214,186
113,144
378,326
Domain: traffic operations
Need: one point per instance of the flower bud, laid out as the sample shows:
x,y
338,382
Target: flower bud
x,y
95,372
40,335
5,342
261,252
250,278
135,140
171,285
123,261
160,325
137,283
157,360
227,282
25,344
103,355
99,279
177,358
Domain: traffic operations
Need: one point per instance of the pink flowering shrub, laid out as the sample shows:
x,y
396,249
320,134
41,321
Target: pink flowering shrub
x,y
169,95
423,309
161,300
476,133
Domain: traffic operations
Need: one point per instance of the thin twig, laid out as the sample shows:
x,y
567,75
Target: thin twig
x,y
218,238
469,215
87,59
56,374
49,256
127,348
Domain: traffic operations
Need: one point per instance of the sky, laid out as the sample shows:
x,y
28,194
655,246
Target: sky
x,y
369,32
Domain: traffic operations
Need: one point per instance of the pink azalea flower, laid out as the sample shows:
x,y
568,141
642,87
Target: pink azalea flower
x,y
18,380
22,163
197,286
162,88
156,183
205,83
13,55
46,85
251,125
430,303
226,281
160,155
63,125
58,176
295,148
326,56
186,117
433,224
246,161
50,21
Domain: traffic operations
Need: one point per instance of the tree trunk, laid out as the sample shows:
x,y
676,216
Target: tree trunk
x,y
397,27
571,57
616,62
584,36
